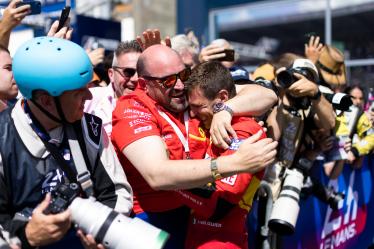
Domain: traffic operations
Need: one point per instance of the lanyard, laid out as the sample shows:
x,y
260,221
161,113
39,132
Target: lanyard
x,y
179,133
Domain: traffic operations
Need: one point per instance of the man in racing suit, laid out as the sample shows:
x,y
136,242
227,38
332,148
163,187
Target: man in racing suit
x,y
221,207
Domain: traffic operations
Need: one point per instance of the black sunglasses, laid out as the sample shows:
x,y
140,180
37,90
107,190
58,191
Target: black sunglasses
x,y
170,80
125,72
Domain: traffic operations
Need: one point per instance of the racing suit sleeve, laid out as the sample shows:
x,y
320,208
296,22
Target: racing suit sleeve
x,y
227,191
110,183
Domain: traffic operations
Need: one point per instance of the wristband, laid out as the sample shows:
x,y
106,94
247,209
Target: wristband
x,y
214,170
317,96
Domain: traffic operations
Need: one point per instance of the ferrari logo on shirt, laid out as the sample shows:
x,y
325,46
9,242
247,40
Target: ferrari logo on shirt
x,y
202,136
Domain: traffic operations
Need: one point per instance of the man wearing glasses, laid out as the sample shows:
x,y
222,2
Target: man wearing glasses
x,y
149,134
123,78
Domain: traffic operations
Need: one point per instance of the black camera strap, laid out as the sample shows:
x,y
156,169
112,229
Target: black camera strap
x,y
70,174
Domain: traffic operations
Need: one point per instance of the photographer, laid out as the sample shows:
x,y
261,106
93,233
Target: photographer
x,y
55,143
300,104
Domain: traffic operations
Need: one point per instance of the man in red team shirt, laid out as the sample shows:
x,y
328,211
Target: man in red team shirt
x,y
220,208
149,134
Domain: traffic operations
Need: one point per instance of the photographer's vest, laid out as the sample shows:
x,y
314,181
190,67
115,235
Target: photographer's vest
x,y
26,175
293,128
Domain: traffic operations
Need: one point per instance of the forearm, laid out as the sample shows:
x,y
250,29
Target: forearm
x,y
252,100
187,174
4,36
325,113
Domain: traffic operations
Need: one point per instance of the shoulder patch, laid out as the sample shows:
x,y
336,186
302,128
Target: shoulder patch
x,y
92,127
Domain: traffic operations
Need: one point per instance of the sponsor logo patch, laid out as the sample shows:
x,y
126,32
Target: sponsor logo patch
x,y
141,129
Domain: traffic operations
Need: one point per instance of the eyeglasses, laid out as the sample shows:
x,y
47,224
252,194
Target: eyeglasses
x,y
125,72
171,80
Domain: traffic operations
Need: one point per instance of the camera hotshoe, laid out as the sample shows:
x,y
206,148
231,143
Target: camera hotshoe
x,y
301,66
108,227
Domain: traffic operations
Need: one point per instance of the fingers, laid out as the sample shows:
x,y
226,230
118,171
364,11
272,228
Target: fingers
x,y
168,41
53,28
255,137
220,137
231,132
88,241
43,205
140,42
311,41
156,35
316,42
23,8
13,4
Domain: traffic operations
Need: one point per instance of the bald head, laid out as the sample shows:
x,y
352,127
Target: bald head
x,y
158,61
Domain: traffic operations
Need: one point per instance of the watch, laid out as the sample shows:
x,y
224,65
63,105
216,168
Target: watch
x,y
221,106
214,170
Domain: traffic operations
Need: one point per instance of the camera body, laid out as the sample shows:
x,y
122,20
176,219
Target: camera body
x,y
301,66
62,197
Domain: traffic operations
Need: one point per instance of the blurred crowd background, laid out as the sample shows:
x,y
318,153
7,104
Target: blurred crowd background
x,y
259,30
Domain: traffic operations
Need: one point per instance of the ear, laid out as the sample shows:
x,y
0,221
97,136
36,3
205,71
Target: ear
x,y
47,102
111,74
142,83
223,95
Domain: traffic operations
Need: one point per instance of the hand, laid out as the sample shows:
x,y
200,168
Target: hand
x,y
88,241
327,143
13,16
350,157
152,37
64,33
348,145
96,56
45,229
255,154
221,129
303,87
211,52
313,49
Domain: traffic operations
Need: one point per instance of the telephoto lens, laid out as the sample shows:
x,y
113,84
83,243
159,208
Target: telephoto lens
x,y
340,101
286,208
114,230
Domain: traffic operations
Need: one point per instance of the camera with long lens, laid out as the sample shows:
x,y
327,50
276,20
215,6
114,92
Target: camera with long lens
x,y
287,77
108,227
301,66
339,101
326,194
286,208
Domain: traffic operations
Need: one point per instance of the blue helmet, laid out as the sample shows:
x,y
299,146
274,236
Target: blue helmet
x,y
51,64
